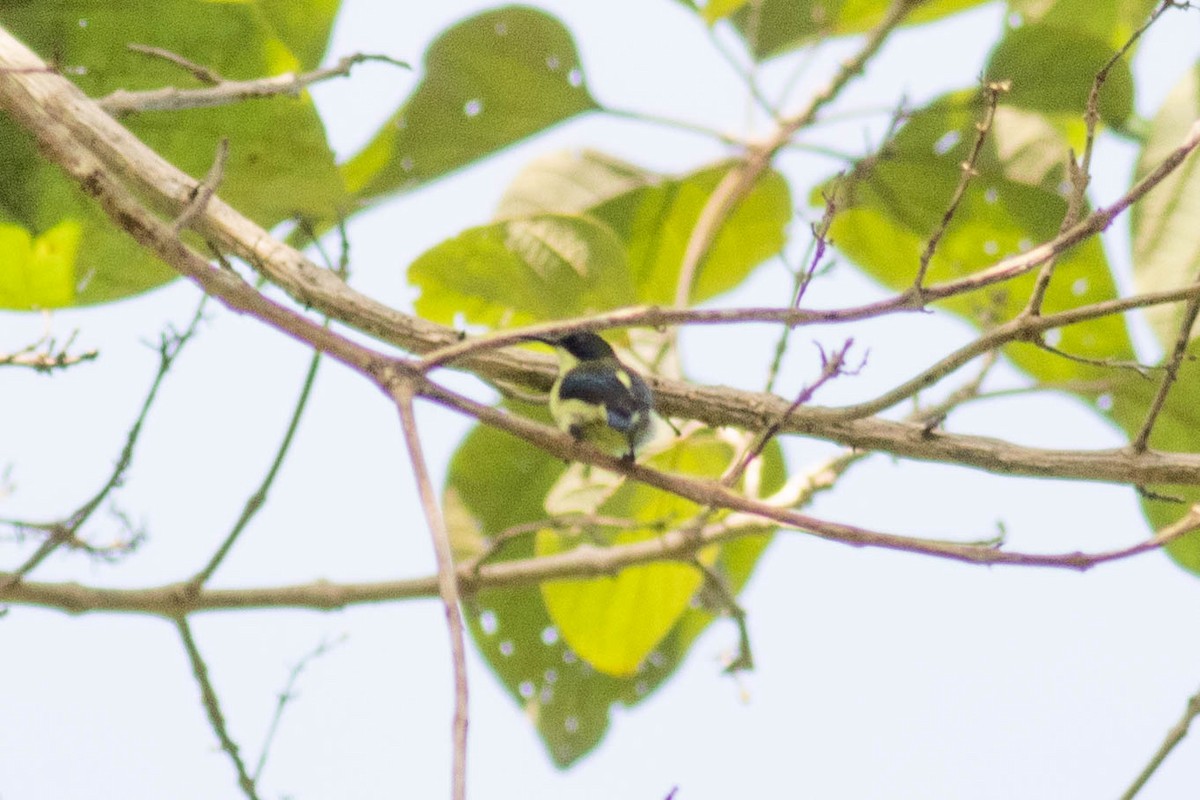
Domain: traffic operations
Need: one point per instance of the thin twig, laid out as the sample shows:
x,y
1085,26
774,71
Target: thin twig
x,y
45,355
741,179
1137,367
227,92
832,365
65,531
259,498
201,73
169,601
212,708
447,584
677,124
991,97
286,697
1174,736
205,189
715,582
1191,310
1079,172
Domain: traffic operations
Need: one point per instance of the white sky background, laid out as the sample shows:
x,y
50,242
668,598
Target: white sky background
x,y
879,674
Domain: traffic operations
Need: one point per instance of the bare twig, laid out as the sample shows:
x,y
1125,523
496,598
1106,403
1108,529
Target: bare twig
x,y
227,91
1172,374
212,708
991,98
286,697
204,189
447,584
46,355
832,365
259,498
201,73
1174,736
1080,172
172,601
1144,370
715,583
65,531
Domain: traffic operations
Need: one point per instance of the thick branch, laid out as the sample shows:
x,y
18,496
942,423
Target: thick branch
x,y
52,107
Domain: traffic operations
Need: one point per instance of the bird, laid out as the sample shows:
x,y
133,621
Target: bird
x,y
596,397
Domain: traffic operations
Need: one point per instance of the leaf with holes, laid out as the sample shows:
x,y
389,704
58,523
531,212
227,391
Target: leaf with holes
x,y
615,622
773,27
891,205
489,81
654,215
1166,223
498,484
523,270
279,163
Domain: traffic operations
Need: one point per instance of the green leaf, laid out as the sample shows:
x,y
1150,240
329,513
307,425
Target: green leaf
x,y
715,10
38,273
654,215
889,207
1113,22
1166,222
568,700
279,164
1052,70
772,27
523,270
489,81
615,622
304,27
571,182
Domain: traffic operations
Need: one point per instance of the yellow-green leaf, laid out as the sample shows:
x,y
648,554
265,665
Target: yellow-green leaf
x,y
1166,222
38,273
523,270
614,623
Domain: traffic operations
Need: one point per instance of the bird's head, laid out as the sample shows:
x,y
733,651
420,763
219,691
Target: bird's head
x,y
579,346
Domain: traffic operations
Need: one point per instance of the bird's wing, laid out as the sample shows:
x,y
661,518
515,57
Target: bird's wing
x,y
617,389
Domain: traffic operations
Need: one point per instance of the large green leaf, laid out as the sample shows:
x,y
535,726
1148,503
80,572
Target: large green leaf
x,y
615,622
523,270
1052,70
890,206
497,483
1166,223
654,215
488,82
1112,21
772,27
279,163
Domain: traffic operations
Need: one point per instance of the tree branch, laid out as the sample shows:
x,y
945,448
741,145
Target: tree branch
x,y
224,91
212,707
447,584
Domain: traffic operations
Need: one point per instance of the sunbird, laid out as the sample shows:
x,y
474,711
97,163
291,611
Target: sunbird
x,y
596,397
